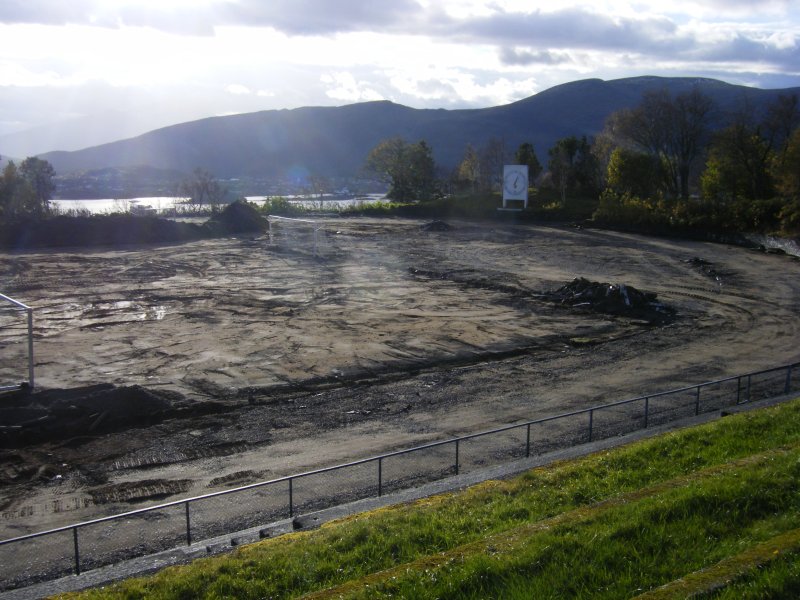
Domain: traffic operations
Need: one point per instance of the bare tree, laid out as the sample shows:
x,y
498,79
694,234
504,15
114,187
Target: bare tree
x,y
675,130
203,190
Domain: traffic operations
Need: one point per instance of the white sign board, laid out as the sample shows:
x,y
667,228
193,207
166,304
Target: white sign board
x,y
515,183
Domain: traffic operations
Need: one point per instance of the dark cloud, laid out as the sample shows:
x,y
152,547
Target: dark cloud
x,y
294,17
517,57
574,28
744,49
45,12
322,17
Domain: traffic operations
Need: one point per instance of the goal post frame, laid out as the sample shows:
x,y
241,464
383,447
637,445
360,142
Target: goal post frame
x,y
27,309
315,226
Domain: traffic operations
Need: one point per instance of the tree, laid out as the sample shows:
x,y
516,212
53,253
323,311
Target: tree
x,y
492,157
469,169
409,169
738,165
746,157
39,174
526,155
634,173
788,171
203,189
674,130
26,190
573,166
562,159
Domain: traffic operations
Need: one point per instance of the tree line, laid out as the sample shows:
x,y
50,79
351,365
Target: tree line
x,y
26,190
671,161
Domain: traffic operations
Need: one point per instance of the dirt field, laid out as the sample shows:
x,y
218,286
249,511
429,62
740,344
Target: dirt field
x,y
256,362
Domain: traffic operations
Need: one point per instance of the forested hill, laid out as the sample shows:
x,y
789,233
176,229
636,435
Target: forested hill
x,y
334,141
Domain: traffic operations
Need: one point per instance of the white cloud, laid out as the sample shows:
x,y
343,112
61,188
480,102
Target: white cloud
x,y
184,59
238,89
343,85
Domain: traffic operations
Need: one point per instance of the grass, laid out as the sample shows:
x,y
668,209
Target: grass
x,y
611,525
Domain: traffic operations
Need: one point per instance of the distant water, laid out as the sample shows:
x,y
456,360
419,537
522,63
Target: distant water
x,y
166,203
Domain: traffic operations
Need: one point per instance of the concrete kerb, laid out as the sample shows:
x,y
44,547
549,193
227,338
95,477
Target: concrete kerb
x,y
145,565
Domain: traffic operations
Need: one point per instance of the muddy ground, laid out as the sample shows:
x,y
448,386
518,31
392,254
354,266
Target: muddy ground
x,y
221,362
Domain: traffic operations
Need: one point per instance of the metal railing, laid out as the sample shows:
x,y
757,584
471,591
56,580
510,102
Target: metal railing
x,y
368,477
17,305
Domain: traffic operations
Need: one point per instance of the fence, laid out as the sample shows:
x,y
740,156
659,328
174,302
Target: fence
x,y
13,327
106,540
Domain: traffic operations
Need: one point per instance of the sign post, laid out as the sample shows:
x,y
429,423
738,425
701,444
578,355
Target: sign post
x,y
515,185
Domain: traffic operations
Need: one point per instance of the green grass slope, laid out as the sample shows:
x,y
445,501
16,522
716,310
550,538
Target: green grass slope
x,y
712,511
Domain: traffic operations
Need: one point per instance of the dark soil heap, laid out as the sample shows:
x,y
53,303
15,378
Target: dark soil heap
x,y
125,229
62,414
612,299
436,225
237,217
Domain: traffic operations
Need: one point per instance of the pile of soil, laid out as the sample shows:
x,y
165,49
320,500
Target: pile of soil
x,y
612,299
237,217
124,229
91,410
436,225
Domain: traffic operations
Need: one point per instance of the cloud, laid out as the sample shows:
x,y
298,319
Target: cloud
x,y
323,17
344,86
517,57
237,89
751,49
293,17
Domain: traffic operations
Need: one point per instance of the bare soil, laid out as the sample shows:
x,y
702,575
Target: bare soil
x,y
174,370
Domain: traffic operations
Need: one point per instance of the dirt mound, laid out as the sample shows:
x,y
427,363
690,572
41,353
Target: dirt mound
x,y
436,225
61,414
612,299
237,217
97,230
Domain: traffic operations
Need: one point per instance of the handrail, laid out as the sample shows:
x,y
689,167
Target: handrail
x,y
380,458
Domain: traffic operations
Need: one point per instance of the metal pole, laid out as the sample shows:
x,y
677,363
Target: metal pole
x,y
380,477
188,527
291,499
77,554
738,389
747,395
697,401
456,457
30,348
646,411
528,442
591,419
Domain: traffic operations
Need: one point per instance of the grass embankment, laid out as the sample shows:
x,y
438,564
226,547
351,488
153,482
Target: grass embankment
x,y
712,510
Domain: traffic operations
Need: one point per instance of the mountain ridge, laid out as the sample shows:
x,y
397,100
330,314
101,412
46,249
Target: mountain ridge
x,y
334,141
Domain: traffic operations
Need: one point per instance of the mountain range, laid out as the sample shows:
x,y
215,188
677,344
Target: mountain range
x,y
334,141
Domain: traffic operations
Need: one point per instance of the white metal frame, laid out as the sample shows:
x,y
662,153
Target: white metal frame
x,y
316,226
23,307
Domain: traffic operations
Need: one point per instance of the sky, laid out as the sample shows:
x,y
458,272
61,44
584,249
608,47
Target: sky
x,y
114,68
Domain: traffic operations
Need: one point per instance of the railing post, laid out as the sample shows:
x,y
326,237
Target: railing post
x,y
591,420
738,389
788,387
30,348
188,526
456,456
646,411
77,553
380,477
697,401
528,442
291,499
747,395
